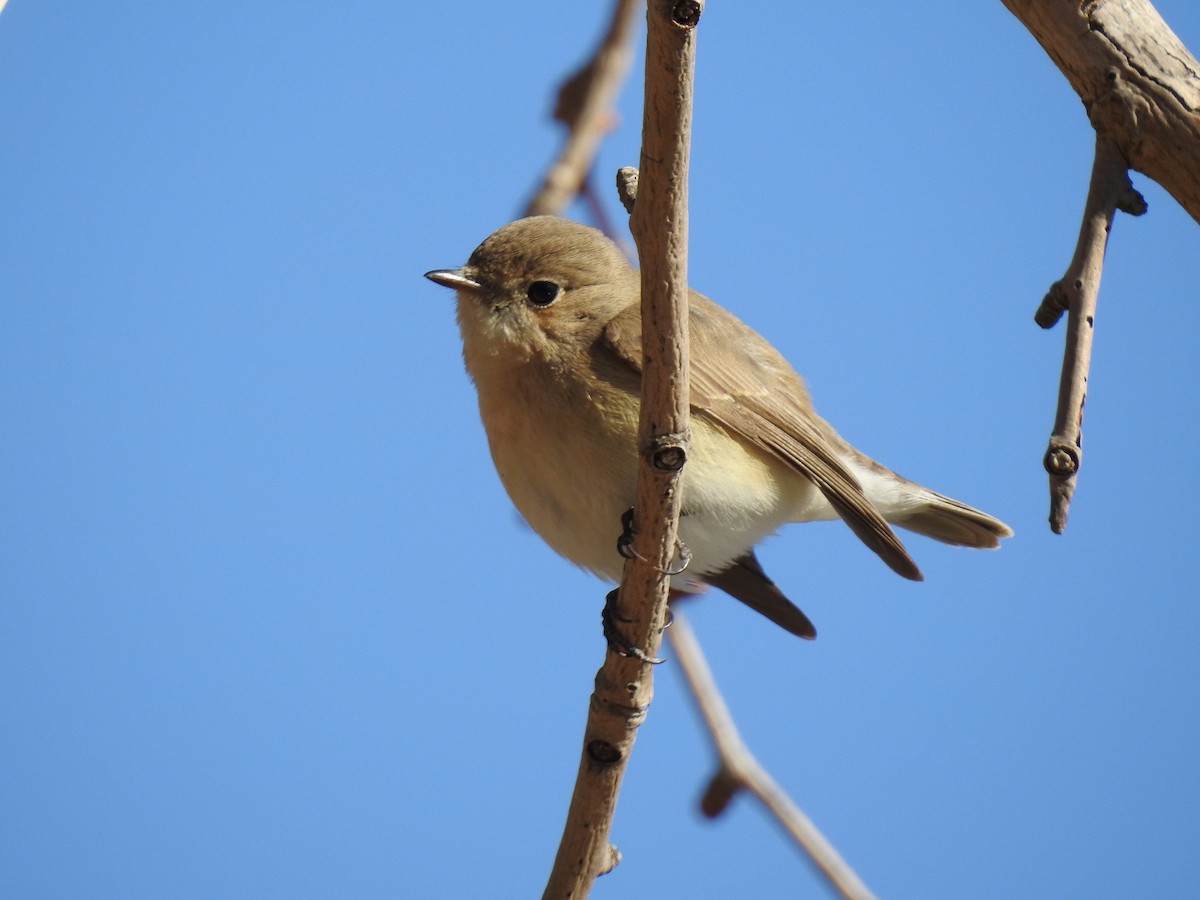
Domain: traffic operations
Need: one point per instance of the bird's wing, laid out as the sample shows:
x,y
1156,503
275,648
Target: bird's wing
x,y
741,382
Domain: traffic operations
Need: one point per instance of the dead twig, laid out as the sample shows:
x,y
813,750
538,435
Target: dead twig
x,y
624,685
1076,292
586,106
738,770
1139,84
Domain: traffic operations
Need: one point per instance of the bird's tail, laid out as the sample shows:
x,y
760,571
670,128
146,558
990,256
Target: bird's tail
x,y
915,508
945,519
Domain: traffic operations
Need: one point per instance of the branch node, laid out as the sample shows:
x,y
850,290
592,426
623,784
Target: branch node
x,y
668,452
1117,110
686,13
1054,304
1131,201
602,753
611,861
719,794
627,187
1061,460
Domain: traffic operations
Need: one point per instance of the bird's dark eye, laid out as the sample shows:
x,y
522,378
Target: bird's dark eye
x,y
542,293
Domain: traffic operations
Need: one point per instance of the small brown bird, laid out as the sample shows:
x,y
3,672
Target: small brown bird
x,y
551,324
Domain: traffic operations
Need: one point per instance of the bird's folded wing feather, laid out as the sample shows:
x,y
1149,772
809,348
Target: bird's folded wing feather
x,y
740,382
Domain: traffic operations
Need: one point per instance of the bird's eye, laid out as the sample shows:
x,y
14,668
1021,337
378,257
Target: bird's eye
x,y
542,293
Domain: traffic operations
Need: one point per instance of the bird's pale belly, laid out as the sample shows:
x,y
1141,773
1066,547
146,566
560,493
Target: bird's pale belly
x,y
573,477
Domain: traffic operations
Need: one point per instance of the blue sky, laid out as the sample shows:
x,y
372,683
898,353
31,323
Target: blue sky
x,y
269,626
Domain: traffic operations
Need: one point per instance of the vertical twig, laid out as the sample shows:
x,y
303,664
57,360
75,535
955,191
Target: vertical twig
x,y
624,685
1076,292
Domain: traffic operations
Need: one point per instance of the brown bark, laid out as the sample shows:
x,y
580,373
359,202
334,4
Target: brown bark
x,y
586,104
624,685
1138,82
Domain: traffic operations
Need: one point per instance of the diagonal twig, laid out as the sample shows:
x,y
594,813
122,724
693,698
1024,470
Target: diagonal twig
x,y
586,106
738,770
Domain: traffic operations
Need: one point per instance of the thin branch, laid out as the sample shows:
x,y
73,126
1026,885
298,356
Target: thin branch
x,y
586,105
624,685
739,770
1077,292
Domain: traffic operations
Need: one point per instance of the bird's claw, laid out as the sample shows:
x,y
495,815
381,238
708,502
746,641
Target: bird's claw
x,y
617,641
626,551
625,540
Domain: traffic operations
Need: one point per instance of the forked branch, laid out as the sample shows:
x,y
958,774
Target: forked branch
x,y
738,770
1140,87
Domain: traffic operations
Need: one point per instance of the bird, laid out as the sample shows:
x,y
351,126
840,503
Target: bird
x,y
550,319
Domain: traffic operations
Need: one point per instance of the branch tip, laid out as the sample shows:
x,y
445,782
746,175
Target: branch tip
x,y
721,790
1054,304
627,187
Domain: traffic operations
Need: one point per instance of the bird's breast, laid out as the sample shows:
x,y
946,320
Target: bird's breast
x,y
565,450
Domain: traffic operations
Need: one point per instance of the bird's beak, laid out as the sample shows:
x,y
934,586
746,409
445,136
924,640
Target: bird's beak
x,y
458,279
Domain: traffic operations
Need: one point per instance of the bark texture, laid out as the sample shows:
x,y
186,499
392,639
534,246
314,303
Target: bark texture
x,y
1138,82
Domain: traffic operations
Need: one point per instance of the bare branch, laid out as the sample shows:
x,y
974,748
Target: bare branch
x,y
1151,111
739,770
586,105
1077,292
624,685
1141,89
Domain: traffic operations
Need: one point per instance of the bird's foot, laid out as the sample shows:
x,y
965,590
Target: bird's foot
x,y
625,540
625,547
621,645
